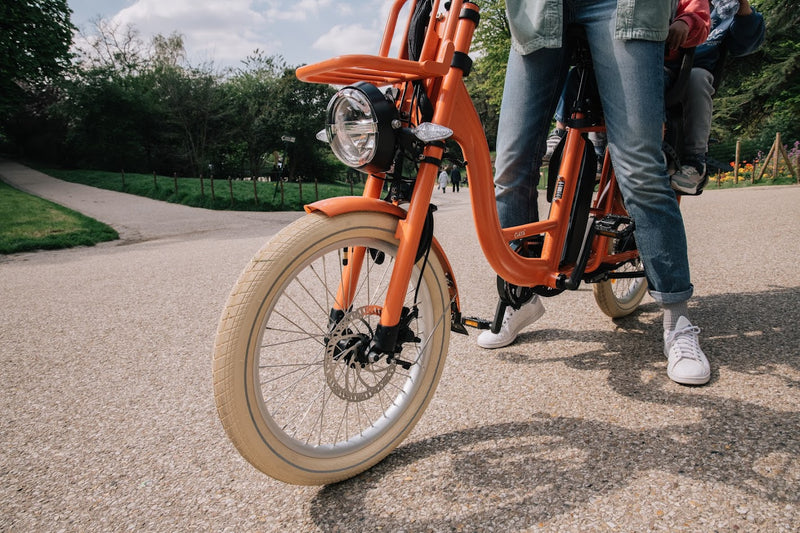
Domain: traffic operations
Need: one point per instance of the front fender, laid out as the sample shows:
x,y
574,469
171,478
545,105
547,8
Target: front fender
x,y
341,205
349,204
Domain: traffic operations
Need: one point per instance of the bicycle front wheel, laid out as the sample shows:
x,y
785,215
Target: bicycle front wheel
x,y
291,396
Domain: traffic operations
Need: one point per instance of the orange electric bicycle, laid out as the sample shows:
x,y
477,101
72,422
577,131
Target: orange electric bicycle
x,y
334,338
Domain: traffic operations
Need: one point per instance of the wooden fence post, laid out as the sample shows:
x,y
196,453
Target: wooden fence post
x,y
213,196
765,163
788,161
736,163
775,153
175,181
778,147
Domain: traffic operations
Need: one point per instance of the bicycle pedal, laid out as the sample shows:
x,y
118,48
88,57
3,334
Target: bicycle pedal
x,y
477,323
609,225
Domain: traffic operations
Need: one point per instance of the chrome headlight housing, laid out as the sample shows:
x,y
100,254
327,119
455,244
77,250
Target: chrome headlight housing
x,y
360,128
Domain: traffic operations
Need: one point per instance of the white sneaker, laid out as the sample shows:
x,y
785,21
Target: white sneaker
x,y
514,320
687,364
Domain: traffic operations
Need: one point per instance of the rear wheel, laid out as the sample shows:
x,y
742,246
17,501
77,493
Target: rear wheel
x,y
290,390
618,297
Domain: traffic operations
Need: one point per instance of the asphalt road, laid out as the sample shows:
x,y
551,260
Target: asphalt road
x,y
109,421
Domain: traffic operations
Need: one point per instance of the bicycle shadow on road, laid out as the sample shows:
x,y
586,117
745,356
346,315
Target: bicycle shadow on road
x,y
750,333
510,475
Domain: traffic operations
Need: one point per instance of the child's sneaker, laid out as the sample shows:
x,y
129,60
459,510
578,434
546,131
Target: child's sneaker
x,y
552,142
690,179
514,320
687,364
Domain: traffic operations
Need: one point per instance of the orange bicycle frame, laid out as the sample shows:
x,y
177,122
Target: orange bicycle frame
x,y
449,35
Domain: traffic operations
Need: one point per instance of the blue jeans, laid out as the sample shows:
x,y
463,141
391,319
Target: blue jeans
x,y
567,98
631,82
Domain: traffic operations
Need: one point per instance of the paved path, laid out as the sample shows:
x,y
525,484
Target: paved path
x,y
134,217
109,420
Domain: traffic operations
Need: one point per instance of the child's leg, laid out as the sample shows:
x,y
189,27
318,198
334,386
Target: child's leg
x,y
697,113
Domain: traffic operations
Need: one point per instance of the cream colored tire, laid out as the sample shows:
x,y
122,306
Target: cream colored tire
x,y
287,397
621,296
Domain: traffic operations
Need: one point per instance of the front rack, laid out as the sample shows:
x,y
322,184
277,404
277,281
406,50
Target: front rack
x,y
344,70
435,57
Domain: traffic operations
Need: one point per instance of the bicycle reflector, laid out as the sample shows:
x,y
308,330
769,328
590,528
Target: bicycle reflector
x,y
359,128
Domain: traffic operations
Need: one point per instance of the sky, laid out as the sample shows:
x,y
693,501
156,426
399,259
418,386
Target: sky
x,y
227,31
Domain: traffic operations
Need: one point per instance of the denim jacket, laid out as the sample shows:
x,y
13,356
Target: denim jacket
x,y
539,23
740,34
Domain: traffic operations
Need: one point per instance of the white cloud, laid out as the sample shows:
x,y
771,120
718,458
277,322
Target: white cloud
x,y
362,31
348,39
227,31
297,11
223,14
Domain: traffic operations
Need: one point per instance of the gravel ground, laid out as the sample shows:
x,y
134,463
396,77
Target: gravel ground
x,y
110,422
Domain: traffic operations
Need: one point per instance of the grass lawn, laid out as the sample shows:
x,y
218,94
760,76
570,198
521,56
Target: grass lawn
x,y
235,195
30,223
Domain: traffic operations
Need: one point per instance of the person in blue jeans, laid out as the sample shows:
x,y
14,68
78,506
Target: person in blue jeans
x,y
688,28
626,40
736,30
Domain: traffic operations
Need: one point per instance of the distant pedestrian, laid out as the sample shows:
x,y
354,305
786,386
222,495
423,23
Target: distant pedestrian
x,y
443,181
455,178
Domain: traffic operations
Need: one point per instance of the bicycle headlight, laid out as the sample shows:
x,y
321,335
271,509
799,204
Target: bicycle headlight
x,y
359,127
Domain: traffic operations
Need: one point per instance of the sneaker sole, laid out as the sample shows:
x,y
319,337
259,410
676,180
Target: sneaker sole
x,y
702,380
492,346
684,190
503,344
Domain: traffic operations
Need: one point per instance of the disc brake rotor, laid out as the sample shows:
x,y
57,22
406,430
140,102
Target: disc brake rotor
x,y
347,342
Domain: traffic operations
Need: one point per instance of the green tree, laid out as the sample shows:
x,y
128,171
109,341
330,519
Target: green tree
x,y
117,48
491,44
299,112
195,105
113,121
760,93
251,93
35,37
270,104
196,110
141,107
112,105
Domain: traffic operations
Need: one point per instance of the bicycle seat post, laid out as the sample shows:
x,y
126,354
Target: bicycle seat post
x,y
586,109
